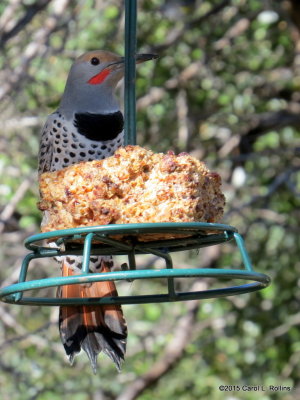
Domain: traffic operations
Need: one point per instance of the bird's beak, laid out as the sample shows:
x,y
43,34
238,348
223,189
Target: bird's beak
x,y
140,58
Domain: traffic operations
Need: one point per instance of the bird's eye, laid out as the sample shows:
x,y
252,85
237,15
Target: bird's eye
x,y
95,61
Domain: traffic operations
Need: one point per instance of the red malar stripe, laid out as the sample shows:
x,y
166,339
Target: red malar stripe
x,y
99,78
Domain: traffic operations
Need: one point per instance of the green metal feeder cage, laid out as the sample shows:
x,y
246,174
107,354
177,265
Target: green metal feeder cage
x,y
125,239
102,240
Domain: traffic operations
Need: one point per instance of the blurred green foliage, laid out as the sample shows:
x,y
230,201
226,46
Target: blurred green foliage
x,y
225,89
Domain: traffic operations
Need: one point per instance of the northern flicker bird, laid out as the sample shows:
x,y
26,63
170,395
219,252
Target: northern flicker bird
x,y
88,125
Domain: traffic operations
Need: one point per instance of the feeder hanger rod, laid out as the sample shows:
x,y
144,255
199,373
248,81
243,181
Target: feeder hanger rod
x,y
130,65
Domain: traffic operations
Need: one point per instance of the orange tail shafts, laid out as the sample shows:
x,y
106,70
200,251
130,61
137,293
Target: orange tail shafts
x,y
92,328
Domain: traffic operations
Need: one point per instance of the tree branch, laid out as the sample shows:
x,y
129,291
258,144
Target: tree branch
x,y
173,353
30,13
11,206
35,47
176,34
182,335
266,122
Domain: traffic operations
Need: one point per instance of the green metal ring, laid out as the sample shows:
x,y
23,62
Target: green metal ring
x,y
199,235
31,243
10,293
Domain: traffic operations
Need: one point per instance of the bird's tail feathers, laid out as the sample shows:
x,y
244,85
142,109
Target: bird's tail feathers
x,y
92,328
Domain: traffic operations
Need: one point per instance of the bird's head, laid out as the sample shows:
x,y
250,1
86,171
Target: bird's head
x,y
93,78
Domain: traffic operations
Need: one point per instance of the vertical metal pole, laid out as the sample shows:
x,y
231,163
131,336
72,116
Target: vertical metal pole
x,y
23,273
86,253
245,257
130,51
